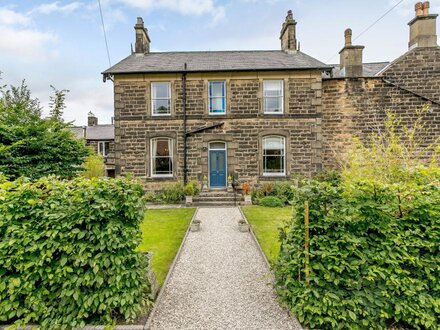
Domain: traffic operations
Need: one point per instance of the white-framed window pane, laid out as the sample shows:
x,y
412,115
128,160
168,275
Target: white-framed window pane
x,y
273,96
161,157
273,104
273,155
217,97
161,98
103,148
161,90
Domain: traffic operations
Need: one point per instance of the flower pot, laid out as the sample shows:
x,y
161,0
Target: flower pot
x,y
248,200
243,227
195,225
188,200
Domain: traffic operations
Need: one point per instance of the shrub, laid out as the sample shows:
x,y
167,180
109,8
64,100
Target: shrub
x,y
283,190
191,188
67,252
172,194
93,167
271,201
374,237
246,188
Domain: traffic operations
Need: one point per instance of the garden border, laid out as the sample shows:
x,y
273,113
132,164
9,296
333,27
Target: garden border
x,y
167,278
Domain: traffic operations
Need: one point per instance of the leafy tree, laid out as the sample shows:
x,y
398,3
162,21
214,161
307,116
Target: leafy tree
x,y
57,103
33,146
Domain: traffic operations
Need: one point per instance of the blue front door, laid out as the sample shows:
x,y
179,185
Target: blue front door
x,y
217,168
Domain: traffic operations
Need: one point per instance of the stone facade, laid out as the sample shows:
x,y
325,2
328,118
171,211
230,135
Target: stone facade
x,y
357,106
244,124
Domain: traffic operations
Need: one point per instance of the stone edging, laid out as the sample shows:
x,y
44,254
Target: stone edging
x,y
167,278
254,238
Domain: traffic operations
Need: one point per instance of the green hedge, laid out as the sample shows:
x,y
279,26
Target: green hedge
x,y
374,259
271,201
67,252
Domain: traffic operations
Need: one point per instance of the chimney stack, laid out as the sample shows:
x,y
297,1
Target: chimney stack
x,y
92,120
422,28
288,33
142,44
351,57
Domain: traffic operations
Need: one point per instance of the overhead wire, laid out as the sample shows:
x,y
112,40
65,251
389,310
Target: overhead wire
x,y
105,34
370,26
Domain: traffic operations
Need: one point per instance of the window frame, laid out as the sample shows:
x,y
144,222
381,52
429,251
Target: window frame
x,y
169,98
283,155
281,96
223,97
106,150
170,156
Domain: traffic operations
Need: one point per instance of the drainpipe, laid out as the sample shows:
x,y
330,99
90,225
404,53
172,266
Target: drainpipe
x,y
185,136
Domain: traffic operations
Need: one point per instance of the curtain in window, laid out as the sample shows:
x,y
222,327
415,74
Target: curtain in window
x,y
274,155
217,97
273,96
162,157
161,98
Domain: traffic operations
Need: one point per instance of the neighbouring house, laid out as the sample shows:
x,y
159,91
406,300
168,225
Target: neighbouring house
x,y
262,115
100,138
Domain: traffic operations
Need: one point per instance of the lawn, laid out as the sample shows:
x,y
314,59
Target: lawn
x,y
265,222
162,234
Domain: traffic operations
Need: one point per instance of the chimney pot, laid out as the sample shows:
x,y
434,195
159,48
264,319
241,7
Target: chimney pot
x,y
419,9
426,8
347,34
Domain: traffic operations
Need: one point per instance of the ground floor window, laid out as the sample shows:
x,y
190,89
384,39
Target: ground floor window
x,y
274,154
162,157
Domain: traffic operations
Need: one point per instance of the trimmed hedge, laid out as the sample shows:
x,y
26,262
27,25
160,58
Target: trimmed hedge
x,y
67,252
271,201
374,255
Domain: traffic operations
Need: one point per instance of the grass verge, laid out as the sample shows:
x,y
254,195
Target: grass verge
x,y
265,222
162,233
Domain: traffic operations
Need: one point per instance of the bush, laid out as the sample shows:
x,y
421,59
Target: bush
x,y
271,201
93,166
191,188
67,252
172,194
374,238
280,189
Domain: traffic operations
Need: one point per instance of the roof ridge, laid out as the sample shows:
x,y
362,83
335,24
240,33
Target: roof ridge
x,y
216,51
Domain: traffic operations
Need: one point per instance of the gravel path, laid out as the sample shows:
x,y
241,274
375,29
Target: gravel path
x,y
220,281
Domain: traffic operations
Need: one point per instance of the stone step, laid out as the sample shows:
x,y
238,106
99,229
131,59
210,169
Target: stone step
x,y
218,198
214,203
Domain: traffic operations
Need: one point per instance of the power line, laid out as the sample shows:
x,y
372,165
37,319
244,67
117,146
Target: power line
x,y
105,35
371,25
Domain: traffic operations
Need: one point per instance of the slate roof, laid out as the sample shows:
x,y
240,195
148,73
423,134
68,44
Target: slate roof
x,y
99,132
369,69
212,61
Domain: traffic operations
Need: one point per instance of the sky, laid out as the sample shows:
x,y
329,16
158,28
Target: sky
x,y
61,43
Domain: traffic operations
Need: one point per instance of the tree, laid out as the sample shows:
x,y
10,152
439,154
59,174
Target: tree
x,y
33,146
57,103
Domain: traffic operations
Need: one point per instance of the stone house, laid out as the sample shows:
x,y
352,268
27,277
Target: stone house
x,y
262,115
101,138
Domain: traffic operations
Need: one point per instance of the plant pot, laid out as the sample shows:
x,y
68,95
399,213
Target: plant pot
x,y
247,199
230,187
243,227
195,226
188,200
205,186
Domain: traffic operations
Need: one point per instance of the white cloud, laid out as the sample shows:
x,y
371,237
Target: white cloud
x,y
56,7
25,44
10,17
186,7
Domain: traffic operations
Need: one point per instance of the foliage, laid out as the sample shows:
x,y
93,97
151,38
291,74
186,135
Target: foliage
x,y
265,223
191,188
246,188
67,252
93,166
374,240
271,201
162,233
57,103
281,189
32,146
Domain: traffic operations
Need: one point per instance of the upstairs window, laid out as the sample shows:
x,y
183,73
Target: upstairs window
x,y
161,98
274,155
273,96
217,97
103,148
162,157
